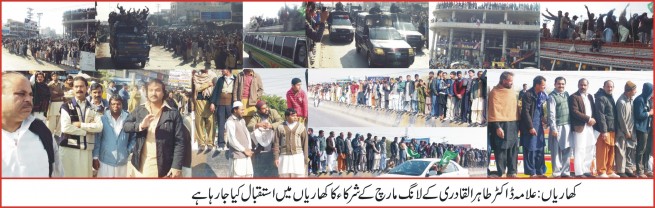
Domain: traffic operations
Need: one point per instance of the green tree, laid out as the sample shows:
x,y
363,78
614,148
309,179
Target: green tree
x,y
276,102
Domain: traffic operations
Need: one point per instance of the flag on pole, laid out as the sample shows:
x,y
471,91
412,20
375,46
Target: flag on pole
x,y
650,7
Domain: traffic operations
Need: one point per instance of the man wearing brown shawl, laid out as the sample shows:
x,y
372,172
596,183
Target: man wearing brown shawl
x,y
503,116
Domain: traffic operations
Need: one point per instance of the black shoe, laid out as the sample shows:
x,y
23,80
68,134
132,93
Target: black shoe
x,y
581,176
623,175
631,175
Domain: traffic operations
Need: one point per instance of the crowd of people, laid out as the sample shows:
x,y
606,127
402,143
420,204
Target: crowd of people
x,y
315,20
489,6
345,152
600,28
202,44
91,129
624,128
231,114
449,97
57,51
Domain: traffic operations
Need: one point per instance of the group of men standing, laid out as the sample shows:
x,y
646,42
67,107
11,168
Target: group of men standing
x,y
617,134
90,136
234,106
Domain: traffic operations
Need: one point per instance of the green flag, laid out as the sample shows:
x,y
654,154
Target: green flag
x,y
650,7
447,156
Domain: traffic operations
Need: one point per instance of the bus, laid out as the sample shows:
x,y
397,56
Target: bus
x,y
277,49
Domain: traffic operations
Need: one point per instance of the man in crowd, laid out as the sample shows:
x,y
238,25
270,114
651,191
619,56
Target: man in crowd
x,y
204,83
113,145
28,148
221,103
79,124
581,109
290,146
124,93
643,114
605,115
95,99
239,142
503,116
160,145
248,89
41,93
625,132
56,100
560,140
531,128
321,148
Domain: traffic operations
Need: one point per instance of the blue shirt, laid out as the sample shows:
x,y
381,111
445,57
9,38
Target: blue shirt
x,y
111,148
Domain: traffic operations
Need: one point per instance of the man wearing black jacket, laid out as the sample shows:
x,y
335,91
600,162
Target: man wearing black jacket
x,y
221,103
605,111
160,146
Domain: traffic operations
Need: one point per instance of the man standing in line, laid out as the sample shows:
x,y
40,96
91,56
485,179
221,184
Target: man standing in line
x,y
449,86
341,156
113,145
79,125
239,142
434,94
28,148
221,104
625,132
56,100
394,151
382,147
331,153
204,84
503,116
466,100
313,153
560,140
297,99
290,146
643,117
357,152
348,151
459,90
478,97
321,148
160,145
605,115
532,131
582,121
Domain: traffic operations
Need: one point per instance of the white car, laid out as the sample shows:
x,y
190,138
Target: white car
x,y
426,167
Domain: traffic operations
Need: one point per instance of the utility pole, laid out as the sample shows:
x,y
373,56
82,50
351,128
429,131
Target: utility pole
x,y
39,27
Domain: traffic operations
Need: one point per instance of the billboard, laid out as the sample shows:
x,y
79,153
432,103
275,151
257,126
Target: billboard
x,y
213,16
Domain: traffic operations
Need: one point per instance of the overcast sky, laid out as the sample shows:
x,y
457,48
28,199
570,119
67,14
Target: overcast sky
x,y
476,136
278,81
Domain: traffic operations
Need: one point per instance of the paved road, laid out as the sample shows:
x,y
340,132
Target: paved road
x,y
160,59
247,63
13,62
322,117
343,55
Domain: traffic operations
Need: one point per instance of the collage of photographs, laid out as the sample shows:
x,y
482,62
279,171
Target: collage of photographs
x,y
288,89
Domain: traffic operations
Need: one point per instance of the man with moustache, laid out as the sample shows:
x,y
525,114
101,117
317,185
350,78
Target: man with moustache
x,y
160,144
28,149
221,103
248,89
113,145
95,99
503,116
56,100
559,133
606,126
581,108
625,132
79,124
531,128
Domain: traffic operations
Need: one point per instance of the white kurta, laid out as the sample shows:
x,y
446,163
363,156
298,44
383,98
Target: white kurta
x,y
23,154
292,164
241,167
584,144
77,162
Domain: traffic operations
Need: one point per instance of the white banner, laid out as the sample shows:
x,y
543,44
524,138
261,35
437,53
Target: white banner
x,y
87,61
327,192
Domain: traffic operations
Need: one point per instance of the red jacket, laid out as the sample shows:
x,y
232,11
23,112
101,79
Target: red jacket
x,y
297,101
459,89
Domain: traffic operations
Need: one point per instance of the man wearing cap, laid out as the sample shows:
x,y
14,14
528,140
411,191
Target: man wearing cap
x,y
239,142
290,146
625,134
221,103
297,99
248,89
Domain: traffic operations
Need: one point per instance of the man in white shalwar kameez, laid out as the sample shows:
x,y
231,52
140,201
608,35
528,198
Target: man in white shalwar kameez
x,y
239,143
582,122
